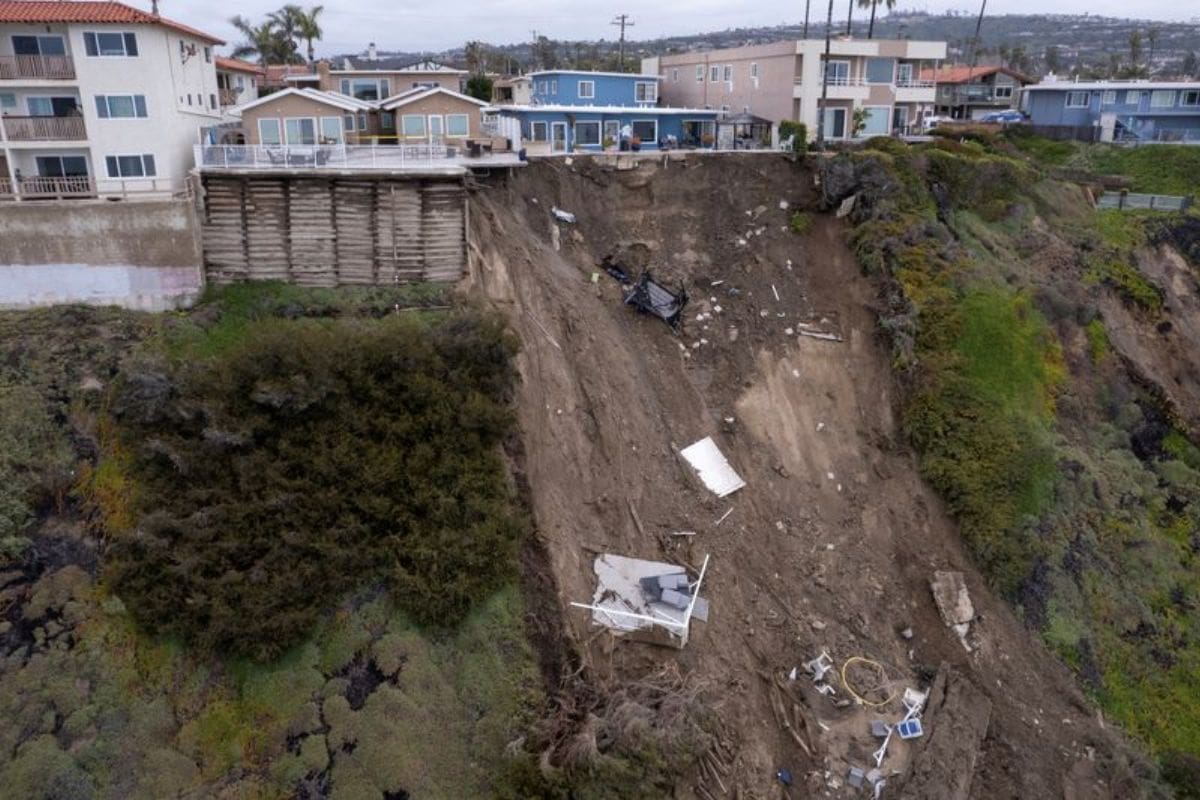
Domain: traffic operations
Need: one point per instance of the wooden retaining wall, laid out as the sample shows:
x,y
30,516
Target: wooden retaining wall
x,y
326,231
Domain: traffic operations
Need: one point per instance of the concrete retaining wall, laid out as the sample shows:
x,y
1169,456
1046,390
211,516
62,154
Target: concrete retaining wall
x,y
143,255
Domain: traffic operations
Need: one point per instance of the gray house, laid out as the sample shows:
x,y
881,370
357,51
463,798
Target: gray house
x,y
965,92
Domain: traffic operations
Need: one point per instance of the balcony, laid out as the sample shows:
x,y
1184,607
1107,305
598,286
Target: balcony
x,y
39,188
47,68
227,97
44,129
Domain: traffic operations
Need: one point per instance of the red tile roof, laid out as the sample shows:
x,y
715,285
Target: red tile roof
x,y
963,74
89,11
237,65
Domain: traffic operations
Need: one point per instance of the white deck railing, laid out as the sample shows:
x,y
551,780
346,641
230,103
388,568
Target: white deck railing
x,y
323,156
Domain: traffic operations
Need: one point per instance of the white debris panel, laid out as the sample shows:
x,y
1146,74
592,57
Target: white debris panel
x,y
710,463
633,595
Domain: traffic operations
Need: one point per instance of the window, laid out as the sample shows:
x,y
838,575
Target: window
x,y
348,122
40,106
300,130
646,130
1131,97
8,100
754,70
130,166
208,55
61,166
370,89
1109,98
110,44
877,120
645,92
904,74
268,132
714,73
837,73
238,82
881,70
587,90
538,131
117,106
675,76
554,86
1002,92
587,133
331,130
413,124
1162,98
612,130
458,125
362,120
39,46
728,73
1077,99
1190,98
387,120
699,73
212,101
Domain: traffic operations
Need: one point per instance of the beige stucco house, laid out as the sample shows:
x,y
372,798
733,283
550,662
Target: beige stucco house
x,y
436,114
304,117
785,81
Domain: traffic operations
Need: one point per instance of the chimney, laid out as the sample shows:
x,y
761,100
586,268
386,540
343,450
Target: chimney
x,y
372,55
324,79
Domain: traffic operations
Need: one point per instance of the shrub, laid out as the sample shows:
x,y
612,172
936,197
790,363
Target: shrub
x,y
800,222
797,130
1115,271
311,458
35,461
1098,345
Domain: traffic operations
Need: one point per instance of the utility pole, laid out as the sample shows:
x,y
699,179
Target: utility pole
x,y
824,68
533,52
974,56
807,3
623,21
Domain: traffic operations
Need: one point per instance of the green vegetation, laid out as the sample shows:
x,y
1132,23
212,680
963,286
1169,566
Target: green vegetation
x,y
1092,536
1153,169
799,133
35,462
801,222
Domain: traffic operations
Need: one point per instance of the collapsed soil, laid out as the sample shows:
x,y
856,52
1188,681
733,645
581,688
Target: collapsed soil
x,y
832,544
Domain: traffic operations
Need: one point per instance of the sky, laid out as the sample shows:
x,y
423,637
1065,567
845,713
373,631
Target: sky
x,y
418,25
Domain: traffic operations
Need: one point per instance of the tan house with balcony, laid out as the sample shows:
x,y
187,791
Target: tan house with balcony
x,y
375,81
100,99
785,81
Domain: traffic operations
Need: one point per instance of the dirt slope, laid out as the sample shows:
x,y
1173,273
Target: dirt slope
x,y
834,540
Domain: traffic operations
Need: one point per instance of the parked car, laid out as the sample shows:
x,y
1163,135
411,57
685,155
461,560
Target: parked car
x,y
1009,117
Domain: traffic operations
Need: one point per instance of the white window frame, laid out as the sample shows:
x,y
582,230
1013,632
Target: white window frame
x,y
133,99
727,74
141,157
316,127
545,128
700,73
1109,98
440,132
1002,92
640,88
837,80
654,122
1167,96
466,124
588,122
278,137
887,116
124,44
675,75
714,73
1087,100
1132,97
904,73
587,90
611,130
754,69
383,87
8,99
1194,94
348,123
403,127
339,135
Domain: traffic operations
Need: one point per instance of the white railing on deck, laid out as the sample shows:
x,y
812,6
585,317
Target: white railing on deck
x,y
323,156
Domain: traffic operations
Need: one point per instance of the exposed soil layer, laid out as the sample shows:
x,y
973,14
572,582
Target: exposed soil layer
x,y
833,542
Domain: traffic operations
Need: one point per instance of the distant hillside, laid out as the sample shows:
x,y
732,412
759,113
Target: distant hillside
x,y
1089,45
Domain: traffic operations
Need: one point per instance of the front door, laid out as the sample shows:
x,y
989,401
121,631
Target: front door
x,y
835,123
900,120
62,166
558,137
436,122
52,106
612,130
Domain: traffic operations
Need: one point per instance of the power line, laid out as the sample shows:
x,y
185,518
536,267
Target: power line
x,y
624,22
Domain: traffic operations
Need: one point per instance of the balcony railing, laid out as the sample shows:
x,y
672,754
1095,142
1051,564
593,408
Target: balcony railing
x,y
54,68
342,156
914,84
44,129
39,188
228,97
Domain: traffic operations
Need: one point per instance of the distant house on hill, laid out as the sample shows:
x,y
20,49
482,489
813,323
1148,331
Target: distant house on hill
x,y
965,92
1120,111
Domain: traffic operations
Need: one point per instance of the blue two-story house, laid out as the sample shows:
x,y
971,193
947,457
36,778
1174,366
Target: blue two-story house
x,y
1142,111
590,111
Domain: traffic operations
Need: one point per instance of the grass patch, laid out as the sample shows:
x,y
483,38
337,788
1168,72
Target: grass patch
x,y
1042,150
801,222
1153,169
1098,344
1114,271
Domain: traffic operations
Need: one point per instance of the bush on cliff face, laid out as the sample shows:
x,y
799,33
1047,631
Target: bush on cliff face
x,y
311,458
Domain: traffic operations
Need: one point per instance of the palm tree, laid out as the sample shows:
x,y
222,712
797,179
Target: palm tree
x,y
260,40
849,15
308,29
873,4
1152,38
287,21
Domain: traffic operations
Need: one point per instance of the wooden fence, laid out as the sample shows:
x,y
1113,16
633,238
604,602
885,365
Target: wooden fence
x,y
326,231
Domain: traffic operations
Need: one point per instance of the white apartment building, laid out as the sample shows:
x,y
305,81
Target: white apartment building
x,y
786,80
100,99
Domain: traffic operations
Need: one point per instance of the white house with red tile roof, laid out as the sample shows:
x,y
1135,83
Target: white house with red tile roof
x,y
100,99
